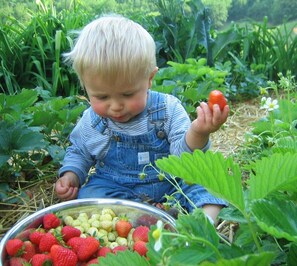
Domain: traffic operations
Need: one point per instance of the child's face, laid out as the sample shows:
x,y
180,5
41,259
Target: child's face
x,y
118,101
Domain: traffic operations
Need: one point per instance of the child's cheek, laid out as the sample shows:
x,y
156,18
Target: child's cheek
x,y
137,106
99,109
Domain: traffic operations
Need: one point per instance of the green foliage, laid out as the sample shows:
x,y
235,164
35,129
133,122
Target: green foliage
x,y
33,133
32,53
270,49
182,31
267,197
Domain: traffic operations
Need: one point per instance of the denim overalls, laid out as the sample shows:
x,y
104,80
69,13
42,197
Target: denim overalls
x,y
117,174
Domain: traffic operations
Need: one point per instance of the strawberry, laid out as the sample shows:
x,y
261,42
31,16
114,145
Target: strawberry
x,y
147,220
140,247
75,243
17,261
88,248
47,241
51,220
62,256
119,248
103,251
123,227
69,231
93,261
14,246
216,97
140,233
41,260
29,250
36,235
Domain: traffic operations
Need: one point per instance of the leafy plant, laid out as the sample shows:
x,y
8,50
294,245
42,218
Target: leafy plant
x,y
34,130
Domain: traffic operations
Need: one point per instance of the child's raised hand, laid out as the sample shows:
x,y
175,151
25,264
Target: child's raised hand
x,y
209,121
67,186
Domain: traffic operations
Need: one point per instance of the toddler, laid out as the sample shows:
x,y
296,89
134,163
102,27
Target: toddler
x,y
127,125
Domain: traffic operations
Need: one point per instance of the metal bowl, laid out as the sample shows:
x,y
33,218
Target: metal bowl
x,y
138,213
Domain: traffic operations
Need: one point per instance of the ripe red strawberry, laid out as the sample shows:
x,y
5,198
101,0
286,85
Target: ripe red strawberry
x,y
36,235
216,97
17,261
119,248
103,251
41,260
123,227
47,241
14,247
93,261
140,233
140,247
75,243
51,220
62,256
88,248
69,231
29,250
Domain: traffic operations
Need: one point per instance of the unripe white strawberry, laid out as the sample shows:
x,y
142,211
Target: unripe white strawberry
x,y
68,220
93,231
122,241
113,245
108,211
106,225
106,217
112,236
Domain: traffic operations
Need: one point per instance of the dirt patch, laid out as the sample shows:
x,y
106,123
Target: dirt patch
x,y
228,140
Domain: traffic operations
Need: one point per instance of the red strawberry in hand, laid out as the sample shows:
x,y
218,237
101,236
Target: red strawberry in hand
x,y
140,233
216,97
123,227
62,256
14,247
50,220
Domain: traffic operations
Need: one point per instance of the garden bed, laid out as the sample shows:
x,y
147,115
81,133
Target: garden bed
x,y
228,140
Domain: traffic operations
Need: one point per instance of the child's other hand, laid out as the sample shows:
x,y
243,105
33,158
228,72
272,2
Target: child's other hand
x,y
67,186
208,121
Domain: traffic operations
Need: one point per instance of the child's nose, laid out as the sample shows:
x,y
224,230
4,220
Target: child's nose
x,y
116,105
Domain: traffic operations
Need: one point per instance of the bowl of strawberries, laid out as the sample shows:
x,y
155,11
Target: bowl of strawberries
x,y
82,230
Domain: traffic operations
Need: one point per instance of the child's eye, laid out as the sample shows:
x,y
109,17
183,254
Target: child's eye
x,y
128,94
101,97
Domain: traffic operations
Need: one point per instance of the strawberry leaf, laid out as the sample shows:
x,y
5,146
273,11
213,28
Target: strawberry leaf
x,y
123,258
220,176
276,217
278,172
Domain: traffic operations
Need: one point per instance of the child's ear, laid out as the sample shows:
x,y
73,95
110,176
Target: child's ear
x,y
152,76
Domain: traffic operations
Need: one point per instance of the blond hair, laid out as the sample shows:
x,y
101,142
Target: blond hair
x,y
113,47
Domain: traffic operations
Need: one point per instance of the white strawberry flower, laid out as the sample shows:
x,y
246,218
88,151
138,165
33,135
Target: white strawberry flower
x,y
157,235
269,104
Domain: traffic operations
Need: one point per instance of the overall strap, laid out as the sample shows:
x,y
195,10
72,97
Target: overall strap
x,y
98,122
157,112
